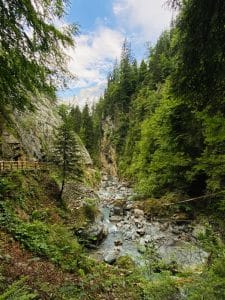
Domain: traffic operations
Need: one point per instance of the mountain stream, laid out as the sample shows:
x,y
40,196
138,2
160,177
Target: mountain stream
x,y
128,232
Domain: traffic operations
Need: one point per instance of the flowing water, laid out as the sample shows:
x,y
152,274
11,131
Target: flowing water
x,y
130,233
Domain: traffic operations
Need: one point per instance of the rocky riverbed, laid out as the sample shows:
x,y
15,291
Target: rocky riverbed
x,y
124,230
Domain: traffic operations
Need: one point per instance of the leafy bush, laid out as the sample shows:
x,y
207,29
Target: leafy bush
x,y
52,241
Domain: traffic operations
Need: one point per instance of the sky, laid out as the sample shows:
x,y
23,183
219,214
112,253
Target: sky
x,y
103,26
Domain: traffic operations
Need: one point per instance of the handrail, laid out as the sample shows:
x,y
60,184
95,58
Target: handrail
x,y
10,165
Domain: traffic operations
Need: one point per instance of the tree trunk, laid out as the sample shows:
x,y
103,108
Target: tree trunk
x,y
62,188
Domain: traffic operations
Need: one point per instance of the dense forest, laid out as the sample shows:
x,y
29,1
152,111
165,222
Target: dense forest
x,y
124,200
169,110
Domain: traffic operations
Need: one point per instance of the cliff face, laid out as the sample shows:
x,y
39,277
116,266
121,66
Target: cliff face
x,y
107,151
30,135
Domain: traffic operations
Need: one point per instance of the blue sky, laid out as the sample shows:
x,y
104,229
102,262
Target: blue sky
x,y
104,24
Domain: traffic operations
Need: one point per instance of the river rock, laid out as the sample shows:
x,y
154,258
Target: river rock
x,y
130,231
115,218
164,226
111,256
141,231
129,206
138,213
96,233
118,211
118,243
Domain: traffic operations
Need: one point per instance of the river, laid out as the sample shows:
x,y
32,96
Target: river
x,y
128,232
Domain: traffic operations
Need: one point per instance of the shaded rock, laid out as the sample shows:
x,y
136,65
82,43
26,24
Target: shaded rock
x,y
94,235
111,256
141,231
118,211
118,243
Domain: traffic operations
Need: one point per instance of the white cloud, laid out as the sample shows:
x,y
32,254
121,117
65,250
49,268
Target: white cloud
x,y
151,17
88,95
92,58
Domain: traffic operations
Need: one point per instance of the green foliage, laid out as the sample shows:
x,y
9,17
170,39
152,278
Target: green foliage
x,y
87,130
200,71
162,289
12,188
52,241
210,284
6,187
160,62
76,119
31,59
168,113
125,262
19,290
66,149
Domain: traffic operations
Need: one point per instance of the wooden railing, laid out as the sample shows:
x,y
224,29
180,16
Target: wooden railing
x,y
10,165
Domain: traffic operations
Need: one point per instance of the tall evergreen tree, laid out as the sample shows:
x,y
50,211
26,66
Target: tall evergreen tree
x,y
76,119
66,150
127,84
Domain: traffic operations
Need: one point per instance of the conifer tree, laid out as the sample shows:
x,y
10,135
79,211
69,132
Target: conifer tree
x,y
66,151
87,130
76,119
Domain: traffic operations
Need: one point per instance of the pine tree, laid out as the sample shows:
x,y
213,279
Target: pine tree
x,y
76,119
66,151
87,130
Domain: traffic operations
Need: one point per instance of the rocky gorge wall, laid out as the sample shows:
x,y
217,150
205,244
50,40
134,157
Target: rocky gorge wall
x,y
107,151
30,135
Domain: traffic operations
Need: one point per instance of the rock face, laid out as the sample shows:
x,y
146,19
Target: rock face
x,y
31,134
107,152
75,195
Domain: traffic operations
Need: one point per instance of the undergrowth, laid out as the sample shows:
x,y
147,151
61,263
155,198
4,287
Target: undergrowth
x,y
41,257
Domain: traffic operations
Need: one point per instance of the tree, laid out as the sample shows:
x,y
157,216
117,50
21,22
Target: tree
x,y
76,119
31,57
160,62
200,71
66,150
127,84
143,73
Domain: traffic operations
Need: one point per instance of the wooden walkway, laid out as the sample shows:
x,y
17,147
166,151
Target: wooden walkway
x,y
11,165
